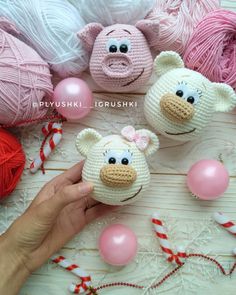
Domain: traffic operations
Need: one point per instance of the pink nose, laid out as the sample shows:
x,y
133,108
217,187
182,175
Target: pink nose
x,y
117,65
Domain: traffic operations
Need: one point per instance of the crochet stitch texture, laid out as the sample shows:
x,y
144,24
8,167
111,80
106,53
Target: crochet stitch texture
x,y
116,167
182,102
121,59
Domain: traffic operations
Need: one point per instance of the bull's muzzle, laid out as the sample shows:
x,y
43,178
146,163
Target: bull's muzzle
x,y
118,175
176,109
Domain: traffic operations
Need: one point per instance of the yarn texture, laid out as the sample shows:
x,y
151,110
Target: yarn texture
x,y
212,47
25,79
12,162
118,175
116,166
121,59
181,103
113,11
50,27
175,21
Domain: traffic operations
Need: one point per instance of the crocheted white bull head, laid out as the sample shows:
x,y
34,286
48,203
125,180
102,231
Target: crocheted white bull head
x,y
182,102
116,164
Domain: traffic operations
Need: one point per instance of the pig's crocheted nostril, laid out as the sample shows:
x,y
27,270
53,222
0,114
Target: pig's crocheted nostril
x,y
117,66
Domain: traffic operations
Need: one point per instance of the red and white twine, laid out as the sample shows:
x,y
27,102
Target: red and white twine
x,y
49,128
226,223
78,271
176,258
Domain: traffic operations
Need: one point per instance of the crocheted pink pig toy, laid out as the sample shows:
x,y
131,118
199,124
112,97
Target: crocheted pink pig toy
x,y
121,59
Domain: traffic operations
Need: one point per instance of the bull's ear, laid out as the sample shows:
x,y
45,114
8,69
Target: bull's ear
x,y
86,139
225,97
89,34
167,61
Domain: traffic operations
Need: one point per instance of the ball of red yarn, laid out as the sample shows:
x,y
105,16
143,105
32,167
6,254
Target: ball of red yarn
x,y
12,162
212,48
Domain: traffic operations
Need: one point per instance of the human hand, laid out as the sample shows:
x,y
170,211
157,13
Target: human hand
x,y
60,210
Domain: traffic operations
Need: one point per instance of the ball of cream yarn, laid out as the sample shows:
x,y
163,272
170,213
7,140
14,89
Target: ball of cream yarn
x,y
50,27
109,12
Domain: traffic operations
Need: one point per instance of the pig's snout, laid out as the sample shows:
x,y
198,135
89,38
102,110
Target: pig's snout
x,y
117,65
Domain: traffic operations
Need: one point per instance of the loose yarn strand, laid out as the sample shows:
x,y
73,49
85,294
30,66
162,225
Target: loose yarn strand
x,y
170,274
34,121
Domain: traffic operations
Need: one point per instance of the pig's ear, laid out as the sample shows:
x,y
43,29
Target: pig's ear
x,y
225,97
167,61
86,139
89,34
150,30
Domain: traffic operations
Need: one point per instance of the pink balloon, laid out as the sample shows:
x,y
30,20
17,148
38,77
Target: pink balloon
x,y
117,244
208,179
73,98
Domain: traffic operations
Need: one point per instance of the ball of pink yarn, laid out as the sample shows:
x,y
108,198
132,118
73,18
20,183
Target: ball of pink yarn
x,y
176,20
212,48
25,79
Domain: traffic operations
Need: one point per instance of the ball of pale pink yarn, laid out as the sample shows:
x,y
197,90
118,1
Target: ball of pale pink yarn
x,y
175,21
25,80
212,48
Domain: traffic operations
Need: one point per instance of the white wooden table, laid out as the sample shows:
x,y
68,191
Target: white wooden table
x,y
189,220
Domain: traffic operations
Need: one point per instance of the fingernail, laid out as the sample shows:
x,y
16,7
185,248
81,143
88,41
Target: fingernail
x,y
85,188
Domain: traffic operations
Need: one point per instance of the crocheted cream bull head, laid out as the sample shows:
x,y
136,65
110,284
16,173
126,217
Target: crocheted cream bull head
x,y
182,102
116,164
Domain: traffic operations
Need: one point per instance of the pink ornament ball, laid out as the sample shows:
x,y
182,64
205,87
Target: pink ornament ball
x,y
72,98
208,179
117,245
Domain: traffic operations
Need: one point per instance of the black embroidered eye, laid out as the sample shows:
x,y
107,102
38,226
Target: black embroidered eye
x,y
113,48
112,160
191,99
179,93
124,161
124,48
